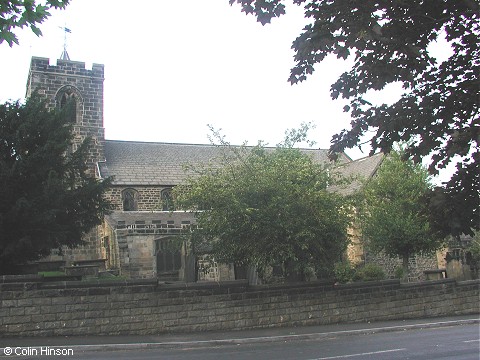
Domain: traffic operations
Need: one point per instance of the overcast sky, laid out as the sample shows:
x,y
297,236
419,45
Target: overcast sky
x,y
172,67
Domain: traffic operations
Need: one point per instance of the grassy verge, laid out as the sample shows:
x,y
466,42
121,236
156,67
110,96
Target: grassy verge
x,y
51,273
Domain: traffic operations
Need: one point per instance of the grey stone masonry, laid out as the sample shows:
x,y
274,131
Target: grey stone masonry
x,y
71,80
149,307
86,86
149,197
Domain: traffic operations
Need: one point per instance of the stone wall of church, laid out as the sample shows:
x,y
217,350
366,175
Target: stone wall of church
x,y
137,256
355,250
50,81
109,248
149,197
88,251
358,254
71,80
416,267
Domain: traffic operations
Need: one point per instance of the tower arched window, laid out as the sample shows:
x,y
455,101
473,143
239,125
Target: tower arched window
x,y
69,99
130,200
69,104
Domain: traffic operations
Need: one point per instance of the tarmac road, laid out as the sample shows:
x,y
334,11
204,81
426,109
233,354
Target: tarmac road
x,y
445,338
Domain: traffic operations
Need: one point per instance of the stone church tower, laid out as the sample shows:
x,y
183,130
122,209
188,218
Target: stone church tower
x,y
70,80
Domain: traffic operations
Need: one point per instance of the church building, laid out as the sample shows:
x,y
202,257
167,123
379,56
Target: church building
x,y
137,238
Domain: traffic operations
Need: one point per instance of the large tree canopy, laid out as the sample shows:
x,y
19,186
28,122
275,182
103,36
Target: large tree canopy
x,y
392,210
47,196
19,13
438,113
267,207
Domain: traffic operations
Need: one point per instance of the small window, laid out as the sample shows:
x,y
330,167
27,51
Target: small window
x,y
130,200
167,200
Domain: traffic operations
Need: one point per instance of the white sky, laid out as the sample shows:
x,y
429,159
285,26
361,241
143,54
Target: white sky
x,y
172,67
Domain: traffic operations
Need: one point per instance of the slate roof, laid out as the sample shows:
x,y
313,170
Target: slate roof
x,y
359,170
152,163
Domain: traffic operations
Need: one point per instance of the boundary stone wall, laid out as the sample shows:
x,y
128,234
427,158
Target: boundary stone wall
x,y
149,307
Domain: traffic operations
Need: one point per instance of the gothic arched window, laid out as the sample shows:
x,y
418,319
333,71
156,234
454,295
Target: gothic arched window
x,y
130,200
69,104
69,99
167,200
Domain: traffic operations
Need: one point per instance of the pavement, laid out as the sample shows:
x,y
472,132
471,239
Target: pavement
x,y
214,338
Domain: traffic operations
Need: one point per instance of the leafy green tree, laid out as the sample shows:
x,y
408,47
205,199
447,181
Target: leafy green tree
x,y
48,197
392,211
19,13
389,42
474,253
267,207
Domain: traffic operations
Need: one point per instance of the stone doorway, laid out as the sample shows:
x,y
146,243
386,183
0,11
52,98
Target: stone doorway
x,y
169,259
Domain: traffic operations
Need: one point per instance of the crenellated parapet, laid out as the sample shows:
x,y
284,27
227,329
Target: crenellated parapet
x,y
72,81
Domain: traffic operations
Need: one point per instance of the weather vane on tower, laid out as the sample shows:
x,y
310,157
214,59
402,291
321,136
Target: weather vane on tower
x,y
64,55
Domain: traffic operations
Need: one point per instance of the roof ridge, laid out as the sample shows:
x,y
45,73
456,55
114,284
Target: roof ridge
x,y
368,157
194,144
153,142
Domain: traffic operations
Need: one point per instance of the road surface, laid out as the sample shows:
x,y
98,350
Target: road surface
x,y
460,342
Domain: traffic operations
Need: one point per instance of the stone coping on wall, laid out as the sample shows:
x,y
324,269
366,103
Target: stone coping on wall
x,y
20,278
432,282
34,282
153,284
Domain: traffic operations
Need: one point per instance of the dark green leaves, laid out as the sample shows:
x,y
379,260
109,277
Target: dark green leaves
x,y
438,115
393,210
267,207
264,10
20,13
47,197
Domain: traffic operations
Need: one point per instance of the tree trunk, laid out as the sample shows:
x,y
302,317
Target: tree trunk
x,y
405,269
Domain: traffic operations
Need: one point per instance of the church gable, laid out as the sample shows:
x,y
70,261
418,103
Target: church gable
x,y
357,172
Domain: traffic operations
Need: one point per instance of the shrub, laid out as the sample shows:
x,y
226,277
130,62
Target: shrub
x,y
369,272
344,272
399,272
